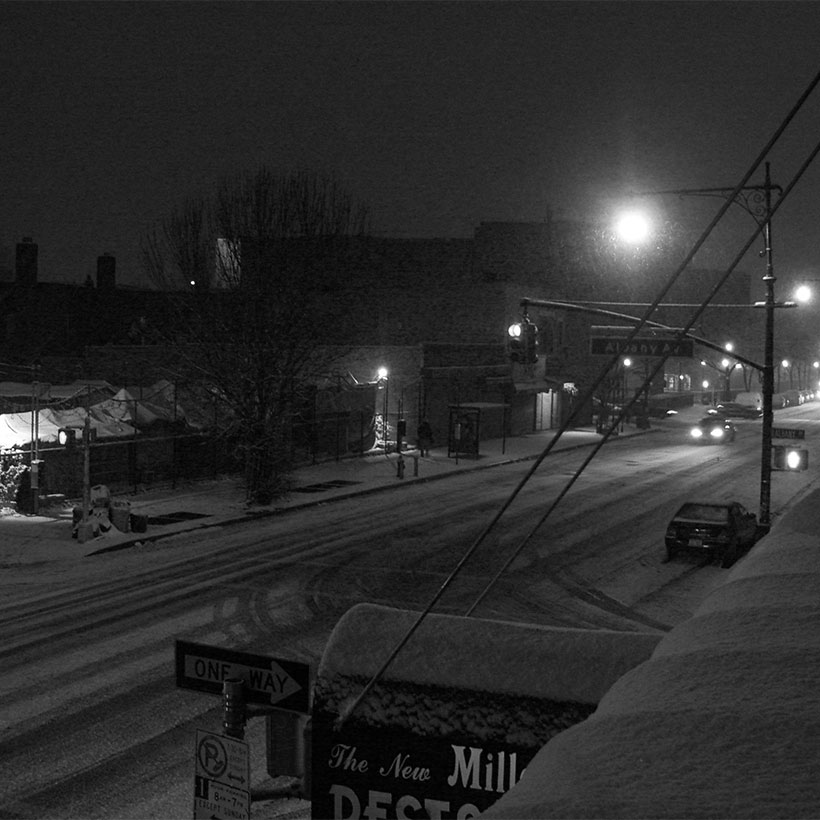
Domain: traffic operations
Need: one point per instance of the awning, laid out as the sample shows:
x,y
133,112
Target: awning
x,y
545,383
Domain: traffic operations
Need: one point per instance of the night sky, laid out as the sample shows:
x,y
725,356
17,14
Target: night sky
x,y
439,116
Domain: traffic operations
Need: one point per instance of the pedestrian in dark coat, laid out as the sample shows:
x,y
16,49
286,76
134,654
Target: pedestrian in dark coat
x,y
425,437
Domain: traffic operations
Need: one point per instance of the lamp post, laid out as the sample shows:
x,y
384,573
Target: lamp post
x,y
382,376
626,364
784,365
756,200
768,361
705,386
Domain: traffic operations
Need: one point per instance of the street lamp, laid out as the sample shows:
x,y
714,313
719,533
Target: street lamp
x,y
727,374
756,200
786,365
768,352
626,363
633,227
382,373
705,386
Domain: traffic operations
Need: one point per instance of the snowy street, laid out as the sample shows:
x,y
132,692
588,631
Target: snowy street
x,y
94,725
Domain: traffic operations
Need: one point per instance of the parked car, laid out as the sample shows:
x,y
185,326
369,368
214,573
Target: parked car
x,y
713,430
733,410
726,530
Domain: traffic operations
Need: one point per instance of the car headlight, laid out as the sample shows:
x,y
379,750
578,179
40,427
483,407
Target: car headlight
x,y
717,432
697,432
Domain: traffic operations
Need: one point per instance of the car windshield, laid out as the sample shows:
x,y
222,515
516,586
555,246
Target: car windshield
x,y
704,512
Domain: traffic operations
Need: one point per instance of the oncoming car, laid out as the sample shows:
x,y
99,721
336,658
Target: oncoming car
x,y
733,410
713,430
725,530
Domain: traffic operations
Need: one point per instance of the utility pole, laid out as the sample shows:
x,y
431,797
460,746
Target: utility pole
x,y
768,365
756,200
84,530
35,439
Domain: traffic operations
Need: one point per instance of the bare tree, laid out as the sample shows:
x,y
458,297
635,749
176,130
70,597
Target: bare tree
x,y
252,269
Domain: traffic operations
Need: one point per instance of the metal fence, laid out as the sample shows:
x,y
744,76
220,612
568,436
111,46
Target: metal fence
x,y
139,463
135,464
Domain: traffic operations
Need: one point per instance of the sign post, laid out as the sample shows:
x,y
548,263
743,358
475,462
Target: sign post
x,y
282,687
269,681
222,779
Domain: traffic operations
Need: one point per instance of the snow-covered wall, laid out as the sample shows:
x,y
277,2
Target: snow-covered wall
x,y
722,721
459,713
484,655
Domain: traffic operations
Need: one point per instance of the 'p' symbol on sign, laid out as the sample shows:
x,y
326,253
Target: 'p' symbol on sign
x,y
212,756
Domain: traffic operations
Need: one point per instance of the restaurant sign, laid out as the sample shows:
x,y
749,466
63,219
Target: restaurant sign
x,y
371,772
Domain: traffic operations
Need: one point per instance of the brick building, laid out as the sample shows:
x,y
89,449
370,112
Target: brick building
x,y
433,312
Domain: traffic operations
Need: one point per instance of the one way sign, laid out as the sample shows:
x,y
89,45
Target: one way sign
x,y
271,681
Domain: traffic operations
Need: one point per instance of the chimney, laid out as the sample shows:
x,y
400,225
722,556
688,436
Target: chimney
x,y
106,272
26,262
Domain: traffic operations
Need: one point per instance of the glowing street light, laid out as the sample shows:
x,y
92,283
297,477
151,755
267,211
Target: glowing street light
x,y
382,373
756,200
633,227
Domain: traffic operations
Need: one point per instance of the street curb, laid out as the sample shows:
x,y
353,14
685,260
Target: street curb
x,y
400,483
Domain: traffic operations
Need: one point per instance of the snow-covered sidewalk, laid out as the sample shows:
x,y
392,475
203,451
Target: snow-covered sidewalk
x,y
722,721
27,539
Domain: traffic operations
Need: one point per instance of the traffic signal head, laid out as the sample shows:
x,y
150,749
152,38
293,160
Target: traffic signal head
x,y
515,342
790,458
530,333
66,437
523,342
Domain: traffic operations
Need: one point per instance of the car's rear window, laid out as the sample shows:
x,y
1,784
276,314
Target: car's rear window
x,y
704,512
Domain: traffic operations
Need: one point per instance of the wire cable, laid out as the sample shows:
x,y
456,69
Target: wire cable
x,y
646,383
586,396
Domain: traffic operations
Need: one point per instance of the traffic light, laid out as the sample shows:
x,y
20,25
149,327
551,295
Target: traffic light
x,y
66,437
523,342
515,343
530,333
790,458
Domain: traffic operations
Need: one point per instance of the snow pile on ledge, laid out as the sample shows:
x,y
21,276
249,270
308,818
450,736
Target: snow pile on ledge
x,y
722,721
493,656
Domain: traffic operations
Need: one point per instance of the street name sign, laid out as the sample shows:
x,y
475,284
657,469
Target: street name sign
x,y
650,346
270,681
788,432
222,778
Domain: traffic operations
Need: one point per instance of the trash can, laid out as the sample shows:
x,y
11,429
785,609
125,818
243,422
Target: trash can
x,y
100,496
139,523
120,513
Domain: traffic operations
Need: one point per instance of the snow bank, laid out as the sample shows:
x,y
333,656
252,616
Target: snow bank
x,y
457,715
722,721
495,656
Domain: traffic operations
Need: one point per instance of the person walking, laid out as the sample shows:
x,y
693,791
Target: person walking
x,y
425,437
